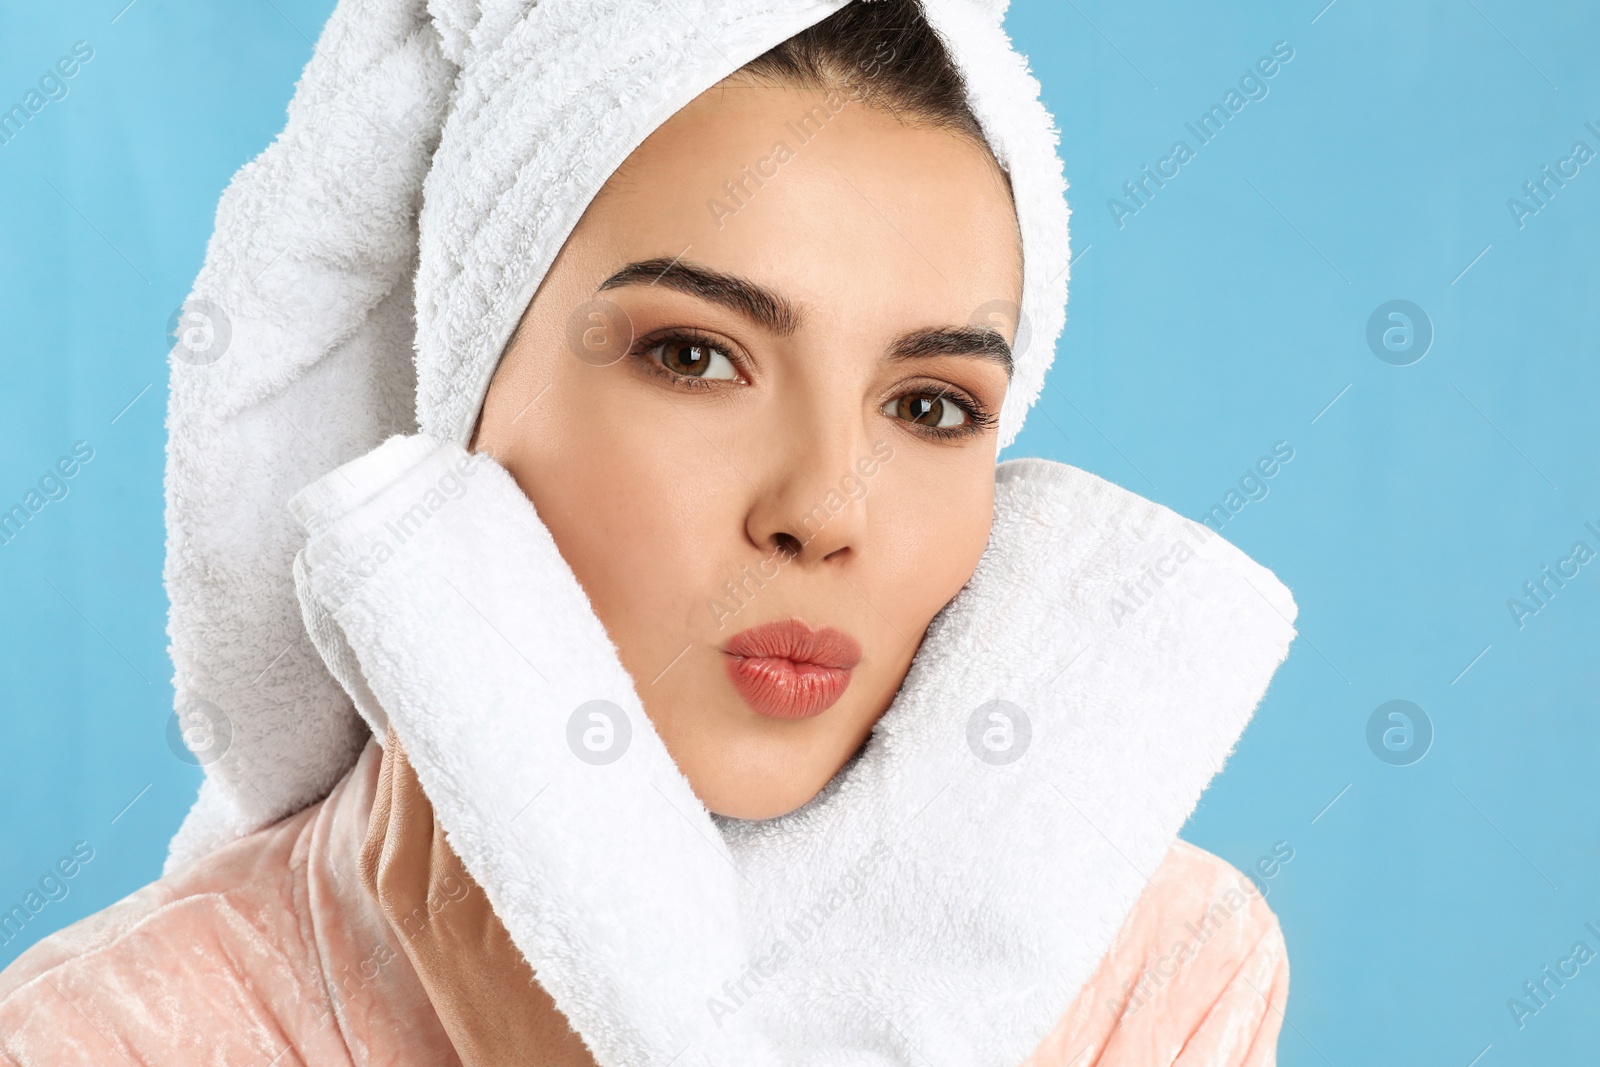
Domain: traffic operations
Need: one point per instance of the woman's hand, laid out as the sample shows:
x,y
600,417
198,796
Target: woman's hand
x,y
487,997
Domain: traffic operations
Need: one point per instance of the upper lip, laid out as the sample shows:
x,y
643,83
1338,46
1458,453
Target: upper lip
x,y
793,640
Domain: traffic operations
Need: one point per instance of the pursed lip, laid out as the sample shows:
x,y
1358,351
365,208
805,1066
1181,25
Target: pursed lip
x,y
788,670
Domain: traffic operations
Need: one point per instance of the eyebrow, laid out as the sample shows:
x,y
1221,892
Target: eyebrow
x,y
981,342
778,315
737,294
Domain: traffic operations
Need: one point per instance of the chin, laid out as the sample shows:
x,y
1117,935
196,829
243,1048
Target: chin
x,y
745,766
753,797
742,808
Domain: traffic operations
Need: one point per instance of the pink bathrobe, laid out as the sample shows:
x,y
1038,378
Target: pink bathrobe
x,y
270,951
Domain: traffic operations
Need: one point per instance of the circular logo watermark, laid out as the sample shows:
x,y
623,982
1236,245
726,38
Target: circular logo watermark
x,y
199,733
599,332
1001,315
200,332
1399,733
999,732
1399,333
598,732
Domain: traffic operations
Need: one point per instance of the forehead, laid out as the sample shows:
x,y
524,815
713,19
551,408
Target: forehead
x,y
839,205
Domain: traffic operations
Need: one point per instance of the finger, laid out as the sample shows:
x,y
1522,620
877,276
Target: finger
x,y
451,883
514,1005
378,820
405,869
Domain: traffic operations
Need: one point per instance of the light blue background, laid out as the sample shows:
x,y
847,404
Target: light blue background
x,y
1224,316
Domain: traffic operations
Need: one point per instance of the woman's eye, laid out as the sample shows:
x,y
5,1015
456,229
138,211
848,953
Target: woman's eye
x,y
694,359
927,409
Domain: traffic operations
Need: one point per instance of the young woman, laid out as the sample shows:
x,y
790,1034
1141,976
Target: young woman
x,y
755,401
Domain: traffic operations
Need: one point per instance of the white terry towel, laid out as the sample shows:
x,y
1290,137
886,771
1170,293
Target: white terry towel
x,y
459,141
939,902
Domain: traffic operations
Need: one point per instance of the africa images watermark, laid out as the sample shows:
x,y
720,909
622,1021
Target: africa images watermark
x,y
53,485
741,592
1252,486
737,992
999,732
1538,992
738,193
199,732
599,732
53,885
52,87
1538,192
1539,591
1252,86
405,524
353,978
1217,915
1136,593
1399,732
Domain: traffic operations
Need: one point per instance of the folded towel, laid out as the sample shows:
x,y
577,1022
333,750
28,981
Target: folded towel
x,y
939,902
946,894
458,141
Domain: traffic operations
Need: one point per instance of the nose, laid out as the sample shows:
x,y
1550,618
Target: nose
x,y
810,503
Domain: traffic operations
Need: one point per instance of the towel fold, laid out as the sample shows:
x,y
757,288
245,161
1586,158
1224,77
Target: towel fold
x,y
940,901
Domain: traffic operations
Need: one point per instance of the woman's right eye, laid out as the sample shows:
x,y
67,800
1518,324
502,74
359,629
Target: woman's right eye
x,y
933,410
693,358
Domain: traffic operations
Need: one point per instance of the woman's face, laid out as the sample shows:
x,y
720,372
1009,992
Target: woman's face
x,y
754,400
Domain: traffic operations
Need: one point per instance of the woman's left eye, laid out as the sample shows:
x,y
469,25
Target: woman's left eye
x,y
927,409
694,359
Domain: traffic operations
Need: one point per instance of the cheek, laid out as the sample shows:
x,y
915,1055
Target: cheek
x,y
636,501
932,520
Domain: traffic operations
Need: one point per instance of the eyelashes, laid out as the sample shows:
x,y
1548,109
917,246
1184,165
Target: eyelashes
x,y
921,405
912,405
655,349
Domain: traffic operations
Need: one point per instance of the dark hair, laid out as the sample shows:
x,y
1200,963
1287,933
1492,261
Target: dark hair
x,y
883,52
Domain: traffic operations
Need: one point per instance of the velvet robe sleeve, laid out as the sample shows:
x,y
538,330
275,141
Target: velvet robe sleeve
x,y
269,951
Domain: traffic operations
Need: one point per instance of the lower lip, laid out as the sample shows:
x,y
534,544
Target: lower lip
x,y
784,689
